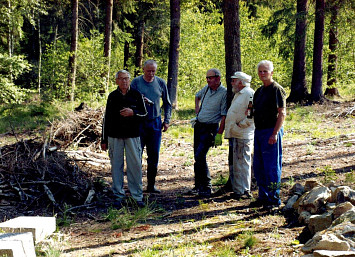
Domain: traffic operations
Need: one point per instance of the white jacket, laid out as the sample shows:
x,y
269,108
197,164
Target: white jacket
x,y
237,124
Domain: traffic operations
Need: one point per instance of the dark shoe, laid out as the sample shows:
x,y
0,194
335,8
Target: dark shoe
x,y
193,191
205,193
237,196
118,204
271,207
223,190
257,203
140,204
247,195
153,190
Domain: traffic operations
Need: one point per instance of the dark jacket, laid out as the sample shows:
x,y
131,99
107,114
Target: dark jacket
x,y
117,126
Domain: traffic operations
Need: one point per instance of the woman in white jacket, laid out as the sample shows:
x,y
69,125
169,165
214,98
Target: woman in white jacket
x,y
239,127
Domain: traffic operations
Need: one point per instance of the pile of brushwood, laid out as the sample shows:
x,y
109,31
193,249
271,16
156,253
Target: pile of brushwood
x,y
46,173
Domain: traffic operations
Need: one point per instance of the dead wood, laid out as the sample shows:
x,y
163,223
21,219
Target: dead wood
x,y
42,172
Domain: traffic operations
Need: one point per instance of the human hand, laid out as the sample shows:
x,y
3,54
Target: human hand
x,y
165,126
218,140
126,112
272,139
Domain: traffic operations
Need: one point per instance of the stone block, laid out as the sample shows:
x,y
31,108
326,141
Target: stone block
x,y
40,227
17,245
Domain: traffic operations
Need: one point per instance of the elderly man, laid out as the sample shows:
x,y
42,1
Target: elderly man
x,y
125,110
153,89
240,129
269,116
211,109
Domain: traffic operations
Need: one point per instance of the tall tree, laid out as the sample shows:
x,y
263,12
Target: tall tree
x,y
231,42
73,49
299,91
139,46
232,52
173,67
333,43
316,91
107,41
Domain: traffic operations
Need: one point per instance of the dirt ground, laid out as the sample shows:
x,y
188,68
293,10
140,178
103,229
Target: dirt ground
x,y
191,226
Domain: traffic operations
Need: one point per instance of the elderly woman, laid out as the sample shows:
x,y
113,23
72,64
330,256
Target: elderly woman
x,y
269,116
240,129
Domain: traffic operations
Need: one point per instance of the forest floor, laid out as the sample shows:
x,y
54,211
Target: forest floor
x,y
185,225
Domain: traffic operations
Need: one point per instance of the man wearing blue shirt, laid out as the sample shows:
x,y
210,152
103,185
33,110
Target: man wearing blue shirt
x,y
153,89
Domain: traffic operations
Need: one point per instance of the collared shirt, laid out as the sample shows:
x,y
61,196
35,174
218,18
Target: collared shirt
x,y
213,104
154,91
237,124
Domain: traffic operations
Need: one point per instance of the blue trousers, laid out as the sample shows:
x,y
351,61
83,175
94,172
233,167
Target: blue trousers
x,y
117,149
267,165
204,135
150,135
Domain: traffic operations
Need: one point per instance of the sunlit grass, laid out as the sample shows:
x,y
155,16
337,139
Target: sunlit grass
x,y
305,123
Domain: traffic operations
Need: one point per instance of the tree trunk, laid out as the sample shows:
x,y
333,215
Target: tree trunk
x,y
299,91
173,66
232,52
231,42
126,55
316,92
107,42
39,55
333,44
73,49
139,46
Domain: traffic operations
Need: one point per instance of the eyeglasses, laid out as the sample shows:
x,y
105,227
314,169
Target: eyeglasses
x,y
210,77
125,78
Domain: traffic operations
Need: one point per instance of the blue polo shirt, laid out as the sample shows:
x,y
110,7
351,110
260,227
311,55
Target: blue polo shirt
x,y
213,104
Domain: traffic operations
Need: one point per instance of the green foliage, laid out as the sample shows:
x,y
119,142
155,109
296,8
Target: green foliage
x,y
329,174
10,69
91,66
64,220
126,218
250,241
26,116
55,70
350,177
220,181
9,93
201,48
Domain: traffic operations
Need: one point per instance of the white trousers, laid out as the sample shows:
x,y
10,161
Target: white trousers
x,y
117,147
241,168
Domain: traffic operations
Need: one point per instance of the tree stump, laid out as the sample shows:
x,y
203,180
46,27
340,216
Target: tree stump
x,y
332,92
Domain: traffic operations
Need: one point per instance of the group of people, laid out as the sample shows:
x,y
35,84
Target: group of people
x,y
253,124
133,121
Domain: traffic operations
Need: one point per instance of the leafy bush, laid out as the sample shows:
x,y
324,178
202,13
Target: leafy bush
x,y
10,69
10,93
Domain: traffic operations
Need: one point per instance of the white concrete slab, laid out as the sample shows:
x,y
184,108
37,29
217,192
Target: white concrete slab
x,y
17,245
40,227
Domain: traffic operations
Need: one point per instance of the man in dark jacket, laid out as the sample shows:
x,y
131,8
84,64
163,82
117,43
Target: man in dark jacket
x,y
125,110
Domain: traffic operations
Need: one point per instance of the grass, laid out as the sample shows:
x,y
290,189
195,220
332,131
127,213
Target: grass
x,y
127,218
329,174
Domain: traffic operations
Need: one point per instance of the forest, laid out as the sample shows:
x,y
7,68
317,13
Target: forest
x,y
57,56
70,50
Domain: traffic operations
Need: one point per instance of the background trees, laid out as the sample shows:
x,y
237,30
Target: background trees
x,y
173,67
141,30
